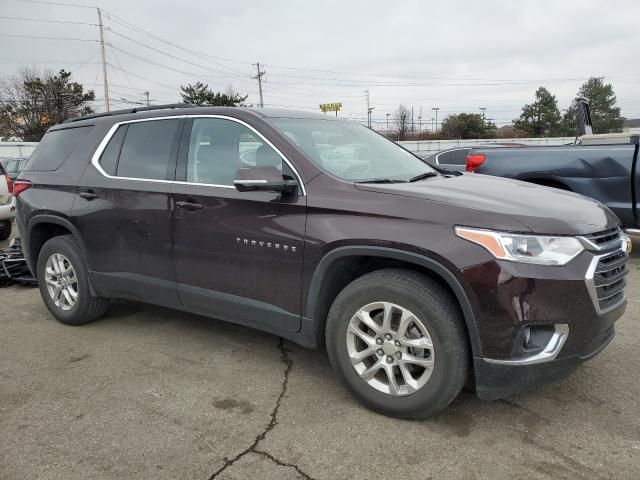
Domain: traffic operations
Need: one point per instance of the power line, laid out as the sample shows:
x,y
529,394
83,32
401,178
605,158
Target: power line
x,y
29,19
60,4
141,78
140,30
225,74
48,38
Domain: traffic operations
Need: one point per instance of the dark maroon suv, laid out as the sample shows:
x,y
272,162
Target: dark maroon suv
x,y
325,233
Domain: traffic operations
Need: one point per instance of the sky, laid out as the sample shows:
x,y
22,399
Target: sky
x,y
457,55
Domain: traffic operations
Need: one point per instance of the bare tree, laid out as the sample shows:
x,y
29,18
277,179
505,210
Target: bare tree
x,y
401,117
30,103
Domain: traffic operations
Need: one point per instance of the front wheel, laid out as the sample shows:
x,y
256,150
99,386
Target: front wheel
x,y
64,283
397,340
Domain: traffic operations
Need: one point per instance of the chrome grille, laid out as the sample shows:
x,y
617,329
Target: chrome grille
x,y
605,240
609,279
606,277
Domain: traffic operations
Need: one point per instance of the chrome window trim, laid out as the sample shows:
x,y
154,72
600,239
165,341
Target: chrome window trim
x,y
549,352
249,182
449,151
95,159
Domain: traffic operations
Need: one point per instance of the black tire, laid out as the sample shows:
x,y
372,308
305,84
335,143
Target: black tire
x,y
5,229
87,307
440,314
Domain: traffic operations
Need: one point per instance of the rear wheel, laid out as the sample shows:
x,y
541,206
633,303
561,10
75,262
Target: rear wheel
x,y
397,340
5,229
64,283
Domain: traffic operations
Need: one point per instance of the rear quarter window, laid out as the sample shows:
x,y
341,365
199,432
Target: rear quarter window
x,y
55,147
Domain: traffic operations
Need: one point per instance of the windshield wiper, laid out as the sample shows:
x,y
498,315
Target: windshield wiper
x,y
422,176
381,180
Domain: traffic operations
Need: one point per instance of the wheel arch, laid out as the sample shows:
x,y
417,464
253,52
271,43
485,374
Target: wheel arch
x,y
43,227
548,182
332,274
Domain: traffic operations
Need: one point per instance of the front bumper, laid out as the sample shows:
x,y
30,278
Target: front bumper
x,y
499,380
510,300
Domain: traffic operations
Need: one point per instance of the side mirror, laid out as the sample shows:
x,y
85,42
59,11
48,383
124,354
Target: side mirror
x,y
263,178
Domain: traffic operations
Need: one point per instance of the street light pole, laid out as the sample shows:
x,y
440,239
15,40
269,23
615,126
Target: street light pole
x,y
436,110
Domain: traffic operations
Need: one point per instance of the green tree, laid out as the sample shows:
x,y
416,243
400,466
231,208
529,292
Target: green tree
x,y
200,94
605,115
30,103
467,125
540,118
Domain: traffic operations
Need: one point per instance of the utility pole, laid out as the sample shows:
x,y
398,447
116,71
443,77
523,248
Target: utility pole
x,y
436,110
147,95
366,92
388,123
420,120
483,109
259,78
104,64
412,125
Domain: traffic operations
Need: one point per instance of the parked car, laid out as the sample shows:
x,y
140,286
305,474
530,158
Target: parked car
x,y
13,166
451,157
7,205
416,282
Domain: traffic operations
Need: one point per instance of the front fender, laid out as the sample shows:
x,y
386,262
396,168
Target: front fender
x,y
434,266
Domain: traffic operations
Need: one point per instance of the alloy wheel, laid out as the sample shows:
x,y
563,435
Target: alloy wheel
x,y
61,281
390,348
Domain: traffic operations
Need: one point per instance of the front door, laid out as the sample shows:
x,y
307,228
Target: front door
x,y
238,255
123,215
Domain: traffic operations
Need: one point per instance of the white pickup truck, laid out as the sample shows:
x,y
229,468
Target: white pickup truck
x,y
7,205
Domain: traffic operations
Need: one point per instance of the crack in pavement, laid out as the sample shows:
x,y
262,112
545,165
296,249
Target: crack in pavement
x,y
284,357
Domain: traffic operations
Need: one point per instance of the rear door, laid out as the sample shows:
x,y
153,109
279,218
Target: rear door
x,y
122,210
238,255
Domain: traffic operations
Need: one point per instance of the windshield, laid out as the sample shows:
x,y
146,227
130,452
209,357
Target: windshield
x,y
351,151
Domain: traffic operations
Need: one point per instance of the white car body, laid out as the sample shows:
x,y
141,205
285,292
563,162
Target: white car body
x,y
7,201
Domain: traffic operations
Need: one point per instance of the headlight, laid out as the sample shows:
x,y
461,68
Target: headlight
x,y
541,250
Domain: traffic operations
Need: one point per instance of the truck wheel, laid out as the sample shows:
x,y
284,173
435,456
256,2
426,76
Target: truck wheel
x,y
5,229
396,338
64,283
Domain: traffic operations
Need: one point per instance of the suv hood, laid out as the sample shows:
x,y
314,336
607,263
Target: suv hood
x,y
539,209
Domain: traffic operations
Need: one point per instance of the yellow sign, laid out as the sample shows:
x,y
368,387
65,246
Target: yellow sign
x,y
330,107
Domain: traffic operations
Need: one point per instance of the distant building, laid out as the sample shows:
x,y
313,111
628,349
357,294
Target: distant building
x,y
631,125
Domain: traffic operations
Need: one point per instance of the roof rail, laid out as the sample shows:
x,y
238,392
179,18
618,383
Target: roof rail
x,y
129,110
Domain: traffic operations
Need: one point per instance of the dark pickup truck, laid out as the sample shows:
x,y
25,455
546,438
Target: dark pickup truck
x,y
603,167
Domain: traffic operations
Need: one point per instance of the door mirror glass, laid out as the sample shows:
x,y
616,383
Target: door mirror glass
x,y
267,178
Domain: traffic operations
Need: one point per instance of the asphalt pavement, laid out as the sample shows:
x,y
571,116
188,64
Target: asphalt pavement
x,y
147,392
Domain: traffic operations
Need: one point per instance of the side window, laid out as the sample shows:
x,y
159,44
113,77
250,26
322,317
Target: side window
x,y
459,157
219,147
109,157
11,166
146,151
55,147
444,158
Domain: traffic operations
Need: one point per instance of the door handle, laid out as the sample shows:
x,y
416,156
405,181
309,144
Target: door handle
x,y
191,206
88,195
